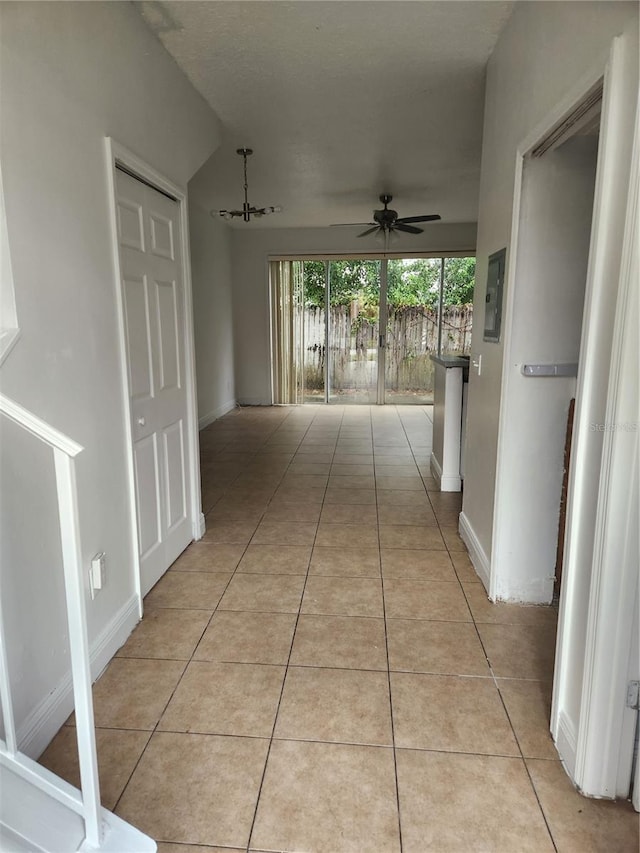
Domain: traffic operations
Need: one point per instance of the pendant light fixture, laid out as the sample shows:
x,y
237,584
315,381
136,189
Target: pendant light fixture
x,y
247,209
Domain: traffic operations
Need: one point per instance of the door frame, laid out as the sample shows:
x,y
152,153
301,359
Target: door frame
x,y
590,746
116,153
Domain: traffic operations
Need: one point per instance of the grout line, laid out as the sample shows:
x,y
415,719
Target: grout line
x,y
316,421
155,729
386,640
284,680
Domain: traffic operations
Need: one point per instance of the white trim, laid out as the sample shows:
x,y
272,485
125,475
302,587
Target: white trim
x,y
41,725
374,256
539,132
476,552
110,151
566,743
9,337
450,483
614,570
269,294
117,153
193,439
567,104
222,410
587,759
202,527
41,812
636,786
39,428
9,333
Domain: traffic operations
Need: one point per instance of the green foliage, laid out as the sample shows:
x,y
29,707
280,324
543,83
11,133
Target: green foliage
x,y
413,281
459,279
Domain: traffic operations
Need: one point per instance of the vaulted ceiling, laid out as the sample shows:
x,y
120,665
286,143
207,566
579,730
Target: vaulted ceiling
x,y
340,101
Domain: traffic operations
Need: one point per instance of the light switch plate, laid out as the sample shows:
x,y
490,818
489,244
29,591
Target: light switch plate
x,y
97,573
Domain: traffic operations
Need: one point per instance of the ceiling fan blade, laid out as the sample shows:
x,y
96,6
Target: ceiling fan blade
x,y
369,231
350,224
410,229
431,218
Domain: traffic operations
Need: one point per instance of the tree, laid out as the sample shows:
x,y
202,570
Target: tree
x,y
414,281
459,280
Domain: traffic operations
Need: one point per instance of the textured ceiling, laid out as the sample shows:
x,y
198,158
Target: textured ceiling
x,y
340,101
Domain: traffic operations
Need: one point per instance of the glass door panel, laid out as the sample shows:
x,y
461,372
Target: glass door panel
x,y
354,311
314,332
413,287
457,306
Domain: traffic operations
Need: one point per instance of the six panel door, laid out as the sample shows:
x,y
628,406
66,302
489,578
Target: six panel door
x,y
153,297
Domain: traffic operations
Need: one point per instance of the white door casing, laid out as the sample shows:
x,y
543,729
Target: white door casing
x,y
150,245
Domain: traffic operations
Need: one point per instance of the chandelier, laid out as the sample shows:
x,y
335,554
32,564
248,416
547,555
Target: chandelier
x,y
248,210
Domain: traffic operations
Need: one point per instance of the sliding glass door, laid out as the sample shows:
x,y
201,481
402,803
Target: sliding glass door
x,y
363,330
413,287
353,336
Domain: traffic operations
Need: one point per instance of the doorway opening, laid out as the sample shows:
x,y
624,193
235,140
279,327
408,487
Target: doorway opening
x,y
363,329
542,354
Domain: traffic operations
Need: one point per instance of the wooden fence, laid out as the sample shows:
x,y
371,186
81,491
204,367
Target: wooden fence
x,y
412,336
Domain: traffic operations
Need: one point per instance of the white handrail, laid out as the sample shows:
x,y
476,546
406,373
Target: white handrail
x,y
36,426
64,450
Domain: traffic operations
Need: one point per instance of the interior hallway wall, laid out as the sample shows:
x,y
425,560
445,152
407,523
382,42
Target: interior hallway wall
x,y
71,74
212,313
251,251
544,50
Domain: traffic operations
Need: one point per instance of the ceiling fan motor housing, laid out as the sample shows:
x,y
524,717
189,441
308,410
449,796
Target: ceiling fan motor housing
x,y
386,217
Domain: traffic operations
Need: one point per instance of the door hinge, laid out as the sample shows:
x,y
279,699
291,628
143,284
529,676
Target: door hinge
x,y
633,695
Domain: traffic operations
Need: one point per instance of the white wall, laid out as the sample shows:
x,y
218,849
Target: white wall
x,y
213,313
546,326
544,50
71,74
251,250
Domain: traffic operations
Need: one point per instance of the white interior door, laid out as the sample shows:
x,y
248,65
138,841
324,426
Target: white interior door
x,y
153,299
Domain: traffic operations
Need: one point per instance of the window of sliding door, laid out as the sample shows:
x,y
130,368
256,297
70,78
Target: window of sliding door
x,y
363,330
413,287
353,334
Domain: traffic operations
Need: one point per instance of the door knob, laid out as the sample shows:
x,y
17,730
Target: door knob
x,y
141,421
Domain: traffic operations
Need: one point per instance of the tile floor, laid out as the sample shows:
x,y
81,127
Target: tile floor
x,y
324,673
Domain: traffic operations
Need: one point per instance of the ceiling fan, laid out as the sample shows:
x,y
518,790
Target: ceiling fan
x,y
387,220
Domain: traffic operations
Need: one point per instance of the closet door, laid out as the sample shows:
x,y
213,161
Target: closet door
x,y
153,297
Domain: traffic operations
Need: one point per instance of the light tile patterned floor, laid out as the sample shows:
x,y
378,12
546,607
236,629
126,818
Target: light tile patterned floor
x,y
324,673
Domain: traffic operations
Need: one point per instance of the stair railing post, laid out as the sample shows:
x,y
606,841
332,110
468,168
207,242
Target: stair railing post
x,y
10,739
78,644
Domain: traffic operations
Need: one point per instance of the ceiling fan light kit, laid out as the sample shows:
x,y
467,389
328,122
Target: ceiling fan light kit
x,y
248,210
386,221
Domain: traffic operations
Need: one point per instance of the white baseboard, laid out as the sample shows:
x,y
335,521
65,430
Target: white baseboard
x,y
201,527
39,728
447,483
566,743
209,418
476,552
450,484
